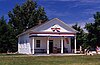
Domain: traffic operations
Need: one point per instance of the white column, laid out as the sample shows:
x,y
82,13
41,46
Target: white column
x,y
62,45
33,45
48,45
75,44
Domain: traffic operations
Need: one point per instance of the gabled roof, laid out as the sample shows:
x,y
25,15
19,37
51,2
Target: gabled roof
x,y
34,29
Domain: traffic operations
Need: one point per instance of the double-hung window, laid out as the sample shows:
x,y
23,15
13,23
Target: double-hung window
x,y
37,43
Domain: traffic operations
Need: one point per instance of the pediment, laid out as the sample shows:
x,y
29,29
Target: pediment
x,y
55,28
54,25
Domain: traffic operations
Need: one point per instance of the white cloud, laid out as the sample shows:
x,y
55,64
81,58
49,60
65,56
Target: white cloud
x,y
83,23
64,0
3,0
91,19
91,10
86,1
55,13
90,1
79,4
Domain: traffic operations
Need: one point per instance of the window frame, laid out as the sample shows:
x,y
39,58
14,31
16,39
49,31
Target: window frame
x,y
38,45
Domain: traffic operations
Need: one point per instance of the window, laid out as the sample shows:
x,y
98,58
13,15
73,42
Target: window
x,y
38,43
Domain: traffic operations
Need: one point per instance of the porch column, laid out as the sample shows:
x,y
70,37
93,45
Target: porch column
x,y
48,45
32,45
62,45
75,44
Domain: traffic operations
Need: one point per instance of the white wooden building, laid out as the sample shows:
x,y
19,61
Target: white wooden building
x,y
53,36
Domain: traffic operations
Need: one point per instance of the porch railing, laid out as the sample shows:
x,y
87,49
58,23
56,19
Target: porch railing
x,y
40,50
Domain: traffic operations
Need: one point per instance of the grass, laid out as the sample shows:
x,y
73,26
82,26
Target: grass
x,y
50,60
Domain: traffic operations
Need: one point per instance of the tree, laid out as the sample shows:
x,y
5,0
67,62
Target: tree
x,y
12,40
3,33
26,16
79,36
94,31
22,18
7,41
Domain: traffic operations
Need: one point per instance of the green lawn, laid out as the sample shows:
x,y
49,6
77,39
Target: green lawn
x,y
50,60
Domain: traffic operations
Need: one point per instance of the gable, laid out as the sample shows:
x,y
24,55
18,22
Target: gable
x,y
54,28
54,25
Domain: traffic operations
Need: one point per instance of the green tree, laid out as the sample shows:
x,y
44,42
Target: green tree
x,y
7,41
3,33
12,40
22,18
79,36
26,16
94,31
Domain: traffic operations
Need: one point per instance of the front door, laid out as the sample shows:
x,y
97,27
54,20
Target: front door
x,y
50,46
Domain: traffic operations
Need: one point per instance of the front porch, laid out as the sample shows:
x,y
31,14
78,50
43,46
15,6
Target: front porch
x,y
52,45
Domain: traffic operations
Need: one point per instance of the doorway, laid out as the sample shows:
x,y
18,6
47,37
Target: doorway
x,y
50,46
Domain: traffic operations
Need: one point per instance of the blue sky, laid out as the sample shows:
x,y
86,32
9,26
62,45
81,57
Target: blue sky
x,y
69,11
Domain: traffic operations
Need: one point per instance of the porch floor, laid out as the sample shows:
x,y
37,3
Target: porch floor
x,y
68,54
